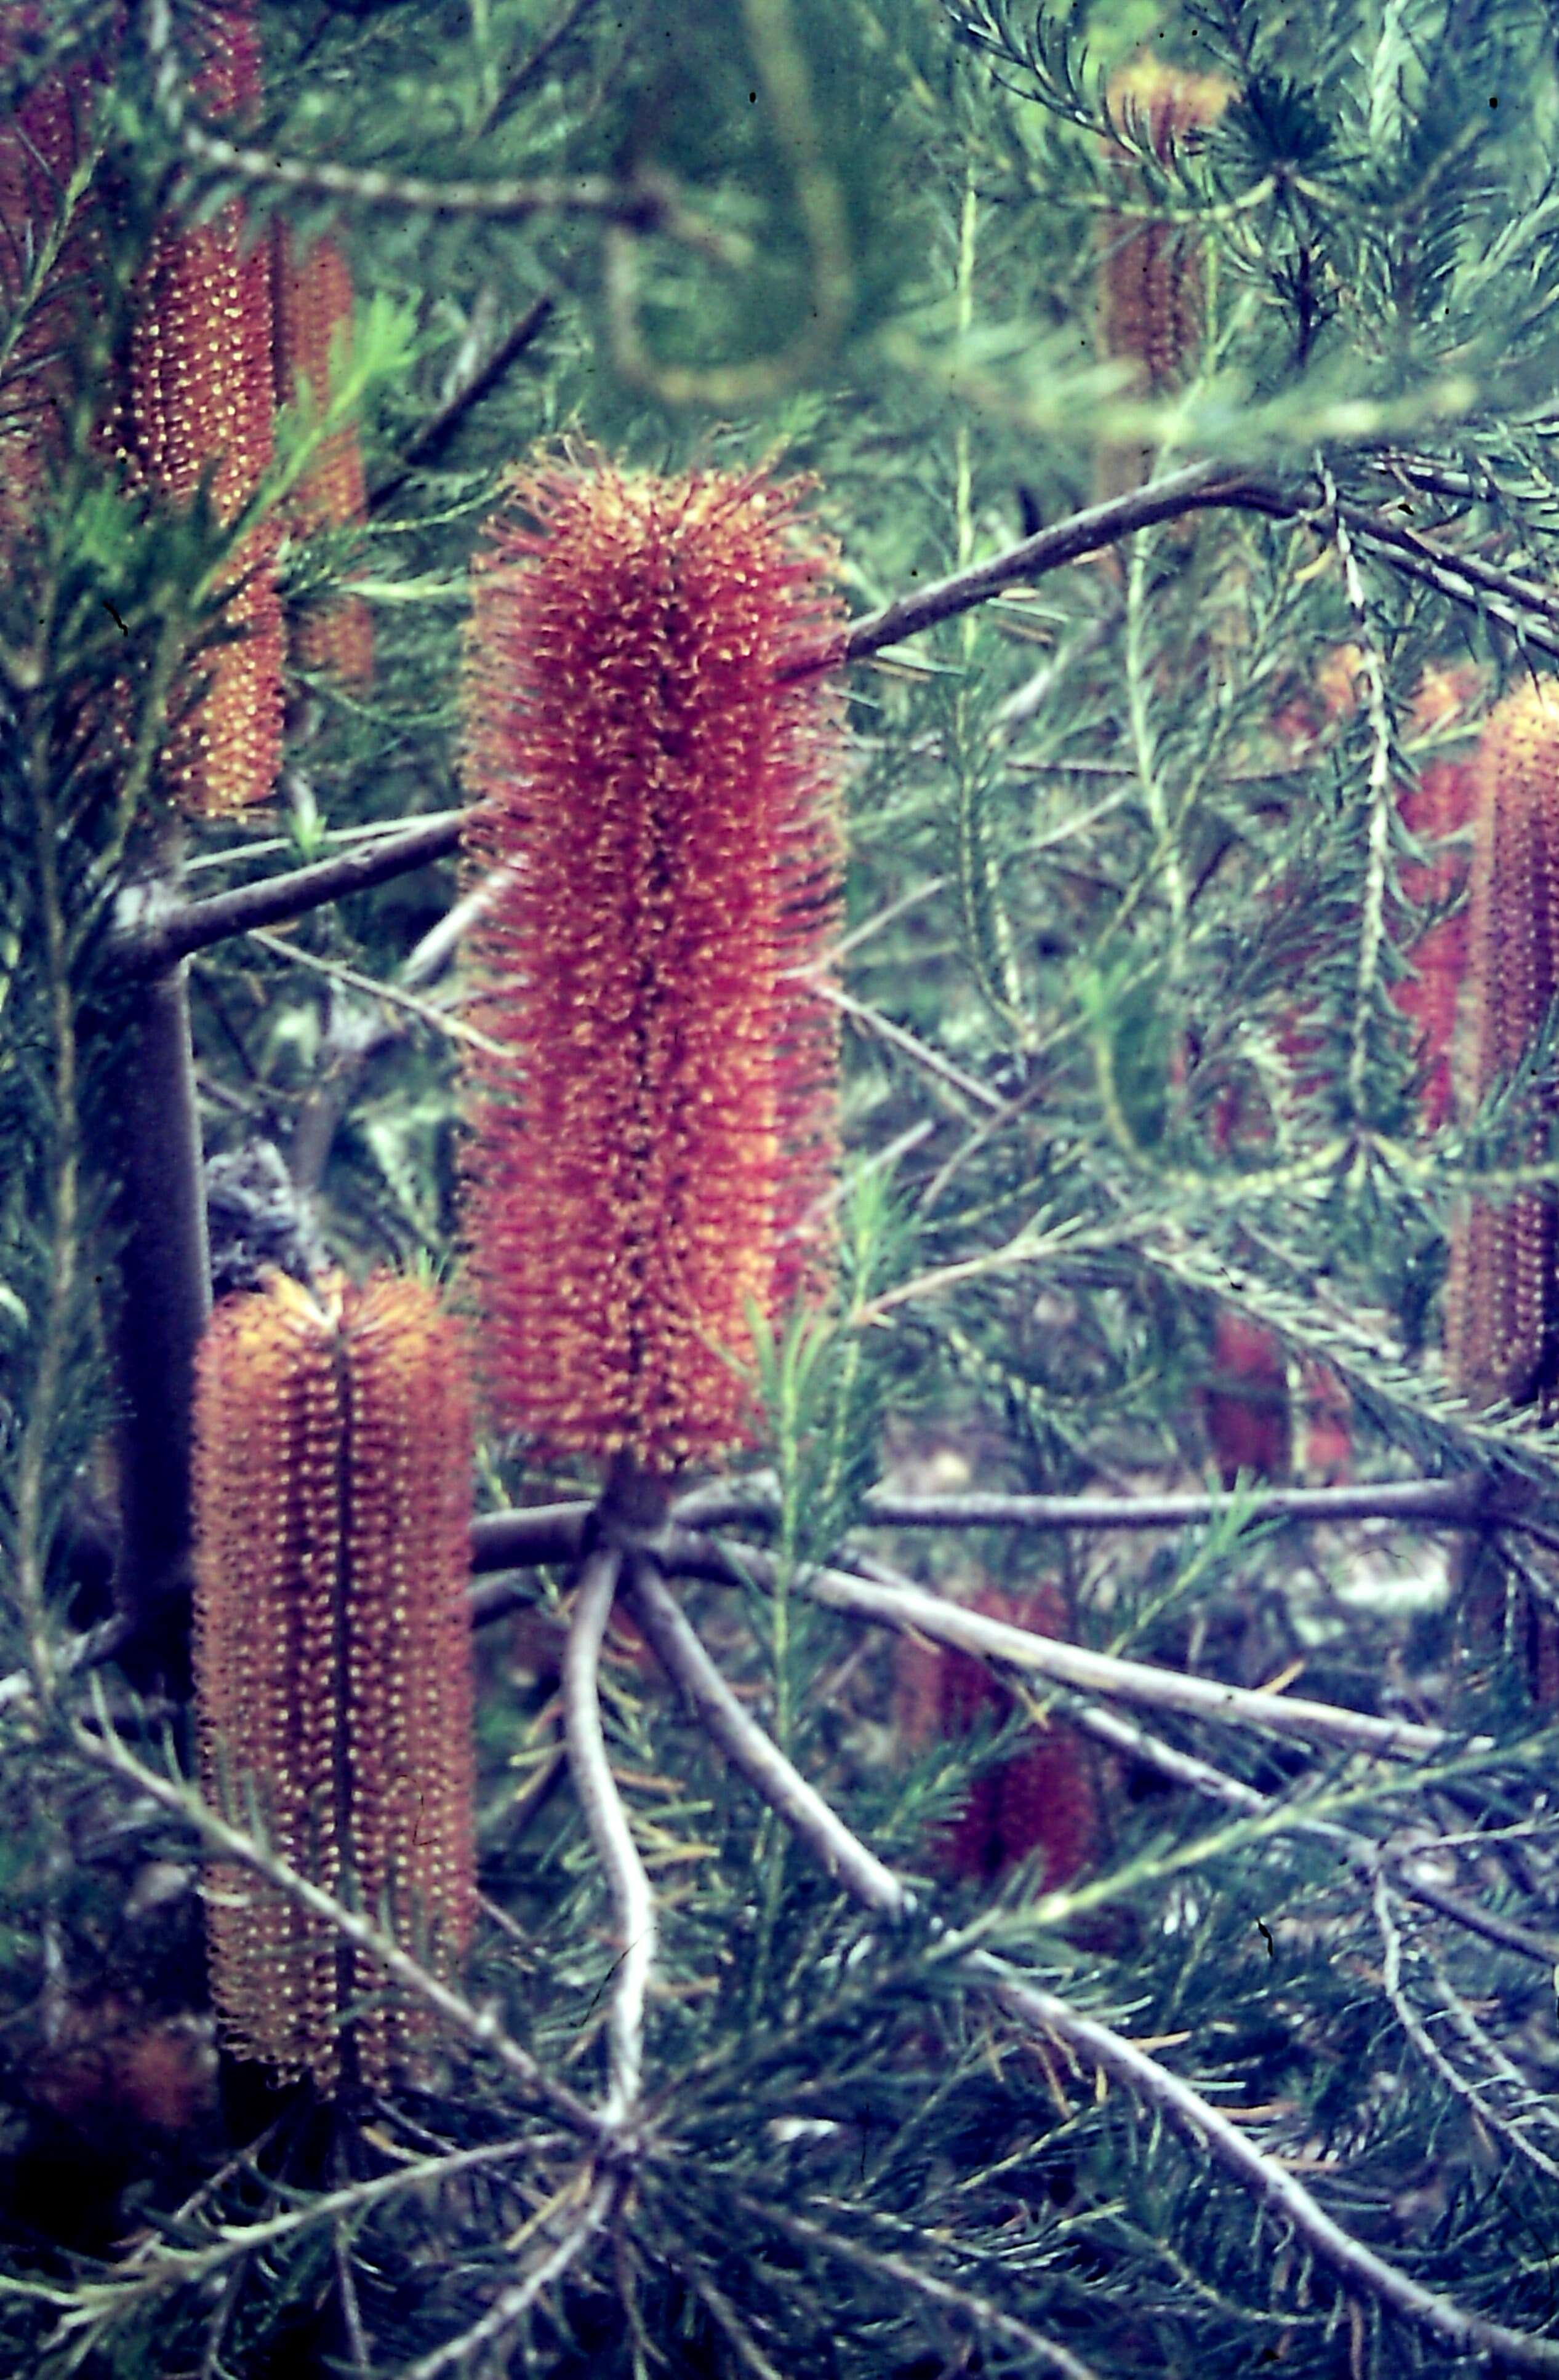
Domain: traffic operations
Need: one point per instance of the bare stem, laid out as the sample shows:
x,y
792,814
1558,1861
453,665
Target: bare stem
x,y
750,1750
610,1831
1278,2193
164,1276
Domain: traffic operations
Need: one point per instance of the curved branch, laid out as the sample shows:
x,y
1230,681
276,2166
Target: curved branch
x,y
1255,2170
1199,485
609,1829
177,932
1467,1500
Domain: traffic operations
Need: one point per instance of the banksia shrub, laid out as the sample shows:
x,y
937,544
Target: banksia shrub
x,y
1502,1309
1043,1800
311,317
333,1468
651,741
1152,277
199,402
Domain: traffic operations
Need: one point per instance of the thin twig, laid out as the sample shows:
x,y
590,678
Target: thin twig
x,y
1402,1862
454,1027
649,202
440,427
931,1060
515,2301
1197,487
1046,2355
1465,1501
898,1602
610,1831
750,1749
1507,2128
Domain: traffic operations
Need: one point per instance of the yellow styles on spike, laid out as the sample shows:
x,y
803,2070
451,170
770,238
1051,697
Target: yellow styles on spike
x,y
332,1492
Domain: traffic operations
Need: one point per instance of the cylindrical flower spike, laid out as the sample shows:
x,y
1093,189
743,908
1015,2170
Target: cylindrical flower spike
x,y
1152,277
654,762
1437,806
312,309
332,1471
1043,1799
199,402
1503,1311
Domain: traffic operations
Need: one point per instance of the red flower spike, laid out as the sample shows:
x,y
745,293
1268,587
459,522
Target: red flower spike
x,y
199,397
1152,277
311,310
332,1487
1041,1799
1503,1298
651,1151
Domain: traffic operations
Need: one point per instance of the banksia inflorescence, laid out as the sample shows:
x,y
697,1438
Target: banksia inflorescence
x,y
1152,277
41,144
199,402
652,742
332,1471
312,313
1502,1312
1041,1802
1438,806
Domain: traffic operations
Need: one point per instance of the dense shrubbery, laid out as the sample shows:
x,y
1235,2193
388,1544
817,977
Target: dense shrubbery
x,y
1041,1861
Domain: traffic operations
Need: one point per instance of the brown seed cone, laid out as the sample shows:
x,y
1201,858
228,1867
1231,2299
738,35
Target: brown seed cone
x,y
40,145
311,313
1501,1321
331,1655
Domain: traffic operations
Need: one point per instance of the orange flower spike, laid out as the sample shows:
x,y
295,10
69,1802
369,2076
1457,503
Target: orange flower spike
x,y
312,308
1503,1297
200,401
1152,277
332,1655
651,1152
42,140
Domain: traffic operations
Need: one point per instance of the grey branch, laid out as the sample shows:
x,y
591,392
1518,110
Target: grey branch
x,y
179,931
682,1655
610,1831
436,432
